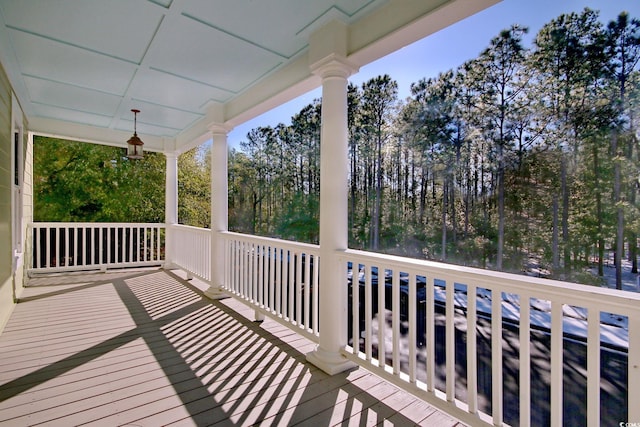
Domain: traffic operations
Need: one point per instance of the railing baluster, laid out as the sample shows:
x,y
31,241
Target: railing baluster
x,y
234,265
285,281
146,248
158,244
368,310
633,358
231,260
130,229
556,363
118,245
395,322
66,233
593,367
109,256
261,276
47,246
496,356
382,356
152,244
72,246
525,360
74,241
227,255
355,311
299,289
241,266
430,334
472,348
90,249
292,284
100,246
450,331
307,293
197,261
139,244
278,279
413,327
255,274
244,259
246,271
38,242
84,246
57,249
316,305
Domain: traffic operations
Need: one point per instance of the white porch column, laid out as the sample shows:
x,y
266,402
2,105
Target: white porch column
x,y
219,210
170,204
334,174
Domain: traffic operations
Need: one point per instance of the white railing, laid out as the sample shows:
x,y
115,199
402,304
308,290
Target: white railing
x,y
190,249
496,348
75,246
488,347
276,277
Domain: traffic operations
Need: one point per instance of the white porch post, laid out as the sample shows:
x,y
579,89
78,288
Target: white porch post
x,y
334,174
219,210
170,204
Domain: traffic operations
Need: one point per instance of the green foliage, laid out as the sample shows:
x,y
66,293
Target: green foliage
x,y
299,220
76,181
194,187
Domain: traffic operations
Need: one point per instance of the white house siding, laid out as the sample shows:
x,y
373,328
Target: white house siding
x,y
27,205
6,280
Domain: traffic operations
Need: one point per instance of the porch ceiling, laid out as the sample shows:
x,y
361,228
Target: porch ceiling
x,y
79,67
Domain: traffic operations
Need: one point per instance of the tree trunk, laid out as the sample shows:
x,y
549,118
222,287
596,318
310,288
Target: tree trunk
x,y
566,246
599,214
500,209
375,226
555,237
444,219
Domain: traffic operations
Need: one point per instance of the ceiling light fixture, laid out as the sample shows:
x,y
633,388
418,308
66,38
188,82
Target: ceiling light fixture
x,y
134,144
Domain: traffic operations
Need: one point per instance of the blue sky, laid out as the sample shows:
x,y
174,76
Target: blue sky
x,y
449,48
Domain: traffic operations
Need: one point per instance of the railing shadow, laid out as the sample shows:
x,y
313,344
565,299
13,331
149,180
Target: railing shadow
x,y
222,366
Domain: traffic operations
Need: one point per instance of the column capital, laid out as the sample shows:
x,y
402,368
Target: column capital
x,y
170,154
219,128
333,65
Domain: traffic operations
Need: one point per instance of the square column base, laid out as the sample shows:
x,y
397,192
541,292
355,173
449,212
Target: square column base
x,y
330,363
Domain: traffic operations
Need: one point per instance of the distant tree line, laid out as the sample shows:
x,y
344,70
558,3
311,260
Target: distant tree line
x,y
521,159
524,159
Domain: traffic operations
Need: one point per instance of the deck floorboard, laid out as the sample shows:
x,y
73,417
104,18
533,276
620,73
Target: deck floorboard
x,y
145,348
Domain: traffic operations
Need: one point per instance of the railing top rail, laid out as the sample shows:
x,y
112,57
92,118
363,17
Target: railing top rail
x,y
96,224
271,241
505,282
189,227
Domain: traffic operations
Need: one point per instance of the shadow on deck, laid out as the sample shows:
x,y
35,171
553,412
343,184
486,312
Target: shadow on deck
x,y
145,348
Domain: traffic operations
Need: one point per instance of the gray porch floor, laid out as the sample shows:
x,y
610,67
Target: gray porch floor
x,y
144,348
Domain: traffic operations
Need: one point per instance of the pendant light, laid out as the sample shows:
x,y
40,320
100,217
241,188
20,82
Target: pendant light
x,y
134,144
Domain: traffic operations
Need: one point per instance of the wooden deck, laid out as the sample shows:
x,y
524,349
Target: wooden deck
x,y
144,348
